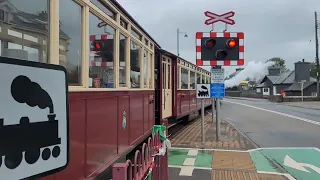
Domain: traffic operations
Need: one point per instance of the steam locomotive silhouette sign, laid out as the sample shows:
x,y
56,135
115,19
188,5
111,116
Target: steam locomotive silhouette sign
x,y
34,137
203,91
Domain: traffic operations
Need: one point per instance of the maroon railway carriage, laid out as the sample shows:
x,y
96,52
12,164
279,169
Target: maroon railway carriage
x,y
177,92
121,82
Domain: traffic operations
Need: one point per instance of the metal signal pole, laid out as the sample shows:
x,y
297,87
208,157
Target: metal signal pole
x,y
317,51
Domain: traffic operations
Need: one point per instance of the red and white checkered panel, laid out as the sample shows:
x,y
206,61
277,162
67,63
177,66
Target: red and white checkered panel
x,y
231,62
97,60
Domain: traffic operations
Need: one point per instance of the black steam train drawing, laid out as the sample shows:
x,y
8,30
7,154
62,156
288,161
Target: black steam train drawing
x,y
203,93
29,137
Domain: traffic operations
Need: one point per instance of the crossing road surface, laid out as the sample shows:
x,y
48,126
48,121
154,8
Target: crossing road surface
x,y
274,125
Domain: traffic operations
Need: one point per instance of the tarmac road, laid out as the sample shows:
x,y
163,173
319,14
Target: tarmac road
x,y
274,125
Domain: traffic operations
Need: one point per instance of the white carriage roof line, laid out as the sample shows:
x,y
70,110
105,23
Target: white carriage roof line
x,y
196,67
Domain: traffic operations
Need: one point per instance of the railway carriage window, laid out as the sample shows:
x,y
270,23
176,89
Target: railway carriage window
x,y
25,30
198,78
164,77
151,46
184,78
150,70
146,42
136,34
104,8
122,59
123,23
135,65
70,41
178,76
192,80
146,63
203,79
101,69
169,75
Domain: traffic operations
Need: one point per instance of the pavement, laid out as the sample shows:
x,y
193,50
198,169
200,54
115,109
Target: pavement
x,y
191,136
278,142
220,164
226,159
304,104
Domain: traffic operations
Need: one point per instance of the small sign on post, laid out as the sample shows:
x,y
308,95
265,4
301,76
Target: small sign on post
x,y
217,89
217,75
203,92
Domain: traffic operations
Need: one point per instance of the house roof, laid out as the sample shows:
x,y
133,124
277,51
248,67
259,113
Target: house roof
x,y
283,78
297,86
262,85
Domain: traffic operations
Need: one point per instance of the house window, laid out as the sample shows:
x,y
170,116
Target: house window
x,y
265,89
313,93
258,90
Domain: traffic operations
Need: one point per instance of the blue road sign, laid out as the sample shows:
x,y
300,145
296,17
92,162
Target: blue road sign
x,y
217,90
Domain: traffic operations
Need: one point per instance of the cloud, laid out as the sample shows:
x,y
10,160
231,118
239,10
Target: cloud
x,y
272,28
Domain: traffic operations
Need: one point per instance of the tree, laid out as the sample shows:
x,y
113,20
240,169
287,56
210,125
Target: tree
x,y
313,70
279,62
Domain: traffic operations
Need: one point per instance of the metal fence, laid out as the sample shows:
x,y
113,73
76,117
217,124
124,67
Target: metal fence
x,y
147,165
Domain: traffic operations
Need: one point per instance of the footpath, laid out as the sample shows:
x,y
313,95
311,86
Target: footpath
x,y
304,104
234,157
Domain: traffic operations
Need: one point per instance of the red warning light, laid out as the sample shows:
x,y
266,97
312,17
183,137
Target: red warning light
x,y
97,45
210,43
231,43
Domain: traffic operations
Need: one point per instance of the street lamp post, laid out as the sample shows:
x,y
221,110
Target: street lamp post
x,y
178,33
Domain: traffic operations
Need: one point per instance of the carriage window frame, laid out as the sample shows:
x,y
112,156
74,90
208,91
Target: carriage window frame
x,y
114,23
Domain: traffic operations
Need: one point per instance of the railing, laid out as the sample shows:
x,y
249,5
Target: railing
x,y
147,165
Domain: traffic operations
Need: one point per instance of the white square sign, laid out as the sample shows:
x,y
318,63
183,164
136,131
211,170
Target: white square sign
x,y
217,75
34,123
203,91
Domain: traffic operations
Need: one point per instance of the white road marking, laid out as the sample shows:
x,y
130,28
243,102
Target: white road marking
x,y
189,162
276,112
203,168
283,174
186,171
193,152
277,148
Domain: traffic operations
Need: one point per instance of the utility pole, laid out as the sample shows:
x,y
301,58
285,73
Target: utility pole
x,y
317,52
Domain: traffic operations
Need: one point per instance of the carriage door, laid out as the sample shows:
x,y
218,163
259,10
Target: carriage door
x,y
166,87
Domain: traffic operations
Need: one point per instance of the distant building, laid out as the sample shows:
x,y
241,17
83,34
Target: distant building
x,y
22,30
290,81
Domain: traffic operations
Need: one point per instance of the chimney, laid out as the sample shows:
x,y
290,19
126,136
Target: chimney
x,y
302,71
43,16
274,70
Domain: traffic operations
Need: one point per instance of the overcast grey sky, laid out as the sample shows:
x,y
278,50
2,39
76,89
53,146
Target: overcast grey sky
x,y
272,28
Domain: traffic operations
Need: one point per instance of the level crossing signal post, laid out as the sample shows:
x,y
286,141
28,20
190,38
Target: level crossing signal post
x,y
217,49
